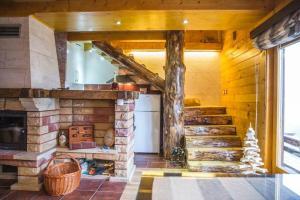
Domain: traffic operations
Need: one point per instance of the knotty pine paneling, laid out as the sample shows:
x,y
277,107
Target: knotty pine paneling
x,y
243,77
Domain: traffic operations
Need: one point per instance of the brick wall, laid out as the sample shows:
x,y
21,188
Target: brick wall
x,y
124,139
99,113
42,130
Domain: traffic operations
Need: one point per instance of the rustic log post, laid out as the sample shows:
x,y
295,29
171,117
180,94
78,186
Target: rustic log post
x,y
174,92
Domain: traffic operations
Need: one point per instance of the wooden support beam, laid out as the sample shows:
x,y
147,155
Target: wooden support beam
x,y
128,36
24,8
161,46
174,92
130,63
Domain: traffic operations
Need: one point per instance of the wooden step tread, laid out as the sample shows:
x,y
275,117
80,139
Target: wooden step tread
x,y
209,130
208,120
212,141
211,136
201,110
214,154
214,166
215,149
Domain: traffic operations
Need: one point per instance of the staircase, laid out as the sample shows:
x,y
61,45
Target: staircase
x,y
211,142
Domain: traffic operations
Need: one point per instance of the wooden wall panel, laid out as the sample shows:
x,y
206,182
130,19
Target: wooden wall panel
x,y
243,85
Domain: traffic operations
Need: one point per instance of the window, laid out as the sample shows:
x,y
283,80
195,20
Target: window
x,y
289,108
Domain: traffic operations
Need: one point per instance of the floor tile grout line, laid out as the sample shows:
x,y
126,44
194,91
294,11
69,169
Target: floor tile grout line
x,y
97,189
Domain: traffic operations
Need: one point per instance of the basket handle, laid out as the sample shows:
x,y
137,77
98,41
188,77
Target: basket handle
x,y
63,157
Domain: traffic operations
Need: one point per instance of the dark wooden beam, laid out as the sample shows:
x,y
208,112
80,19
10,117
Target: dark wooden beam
x,y
127,36
66,94
290,8
174,92
61,49
130,63
23,8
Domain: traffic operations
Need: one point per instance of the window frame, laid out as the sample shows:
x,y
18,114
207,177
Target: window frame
x,y
280,166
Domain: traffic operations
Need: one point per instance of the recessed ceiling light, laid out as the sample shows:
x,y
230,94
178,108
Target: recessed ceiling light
x,y
118,22
185,21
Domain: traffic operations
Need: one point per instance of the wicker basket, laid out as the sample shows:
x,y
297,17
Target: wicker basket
x,y
62,178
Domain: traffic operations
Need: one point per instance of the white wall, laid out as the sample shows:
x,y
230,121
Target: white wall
x,y
75,64
86,67
97,69
202,78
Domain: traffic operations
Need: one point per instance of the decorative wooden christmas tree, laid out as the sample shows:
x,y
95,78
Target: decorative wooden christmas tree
x,y
251,161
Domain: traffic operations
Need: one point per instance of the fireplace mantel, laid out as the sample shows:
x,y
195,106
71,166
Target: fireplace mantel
x,y
66,94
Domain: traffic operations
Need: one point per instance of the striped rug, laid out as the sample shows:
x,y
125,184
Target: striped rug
x,y
225,188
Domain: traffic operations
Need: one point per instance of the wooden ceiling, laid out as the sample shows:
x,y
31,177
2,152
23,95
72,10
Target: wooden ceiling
x,y
150,20
140,15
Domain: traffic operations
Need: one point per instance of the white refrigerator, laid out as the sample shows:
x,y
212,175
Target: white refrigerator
x,y
147,123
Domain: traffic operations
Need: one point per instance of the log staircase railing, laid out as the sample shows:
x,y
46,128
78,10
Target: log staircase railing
x,y
140,70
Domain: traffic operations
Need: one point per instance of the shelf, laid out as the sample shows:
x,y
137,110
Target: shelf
x,y
94,153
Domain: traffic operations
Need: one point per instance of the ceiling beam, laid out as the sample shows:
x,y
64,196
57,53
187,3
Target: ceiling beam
x,y
153,36
27,7
144,36
153,46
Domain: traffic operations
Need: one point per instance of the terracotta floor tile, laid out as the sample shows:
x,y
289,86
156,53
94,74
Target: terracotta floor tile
x,y
158,165
20,195
42,195
141,164
79,195
107,196
4,192
112,186
7,182
90,184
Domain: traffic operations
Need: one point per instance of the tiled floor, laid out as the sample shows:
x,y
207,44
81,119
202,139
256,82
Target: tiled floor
x,y
150,161
89,189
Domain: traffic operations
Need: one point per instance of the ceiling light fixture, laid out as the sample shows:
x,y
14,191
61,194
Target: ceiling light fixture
x,y
185,21
118,22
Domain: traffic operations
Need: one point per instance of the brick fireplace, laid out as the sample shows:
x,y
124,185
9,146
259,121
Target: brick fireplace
x,y
30,63
48,111
41,128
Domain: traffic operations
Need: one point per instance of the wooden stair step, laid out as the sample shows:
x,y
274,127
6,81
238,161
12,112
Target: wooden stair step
x,y
211,154
212,141
201,110
208,120
213,166
194,130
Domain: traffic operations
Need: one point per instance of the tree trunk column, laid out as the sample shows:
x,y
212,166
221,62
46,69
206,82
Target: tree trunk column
x,y
174,91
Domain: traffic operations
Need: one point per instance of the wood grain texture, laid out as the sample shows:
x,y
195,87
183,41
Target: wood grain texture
x,y
197,111
208,120
243,84
211,154
174,91
210,130
212,141
213,166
